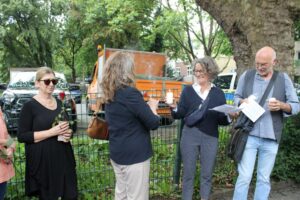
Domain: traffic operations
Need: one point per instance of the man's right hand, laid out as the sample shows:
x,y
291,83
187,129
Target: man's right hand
x,y
246,100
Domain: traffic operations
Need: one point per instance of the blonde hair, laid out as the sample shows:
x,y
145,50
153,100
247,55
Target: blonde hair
x,y
42,71
118,73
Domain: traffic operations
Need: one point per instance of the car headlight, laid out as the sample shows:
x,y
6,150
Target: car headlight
x,y
8,97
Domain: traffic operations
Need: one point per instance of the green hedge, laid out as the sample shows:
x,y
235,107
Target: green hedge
x,y
94,171
288,158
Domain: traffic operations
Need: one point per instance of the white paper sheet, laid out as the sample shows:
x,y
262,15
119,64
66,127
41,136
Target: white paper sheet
x,y
227,109
252,110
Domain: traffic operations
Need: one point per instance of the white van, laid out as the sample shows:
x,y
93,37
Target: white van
x,y
226,81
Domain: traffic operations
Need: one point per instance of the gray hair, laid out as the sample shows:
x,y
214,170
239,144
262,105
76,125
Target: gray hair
x,y
118,73
209,64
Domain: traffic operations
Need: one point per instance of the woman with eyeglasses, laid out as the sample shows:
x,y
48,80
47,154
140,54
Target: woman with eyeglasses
x,y
200,140
50,164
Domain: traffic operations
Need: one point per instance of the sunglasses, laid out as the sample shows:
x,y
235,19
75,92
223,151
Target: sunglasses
x,y
48,81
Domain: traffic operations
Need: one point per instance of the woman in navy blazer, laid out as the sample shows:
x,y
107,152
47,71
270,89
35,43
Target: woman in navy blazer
x,y
130,120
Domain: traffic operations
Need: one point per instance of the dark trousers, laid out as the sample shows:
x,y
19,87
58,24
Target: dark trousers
x,y
193,144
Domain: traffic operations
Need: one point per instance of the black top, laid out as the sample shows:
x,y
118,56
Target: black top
x,y
190,100
130,120
50,164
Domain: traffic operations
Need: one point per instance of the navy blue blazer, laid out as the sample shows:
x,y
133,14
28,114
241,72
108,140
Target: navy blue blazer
x,y
130,120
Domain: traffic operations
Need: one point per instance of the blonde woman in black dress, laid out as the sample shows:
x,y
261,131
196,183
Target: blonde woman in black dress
x,y
50,165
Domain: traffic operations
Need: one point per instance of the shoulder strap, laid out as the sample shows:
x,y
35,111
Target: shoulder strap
x,y
245,122
267,91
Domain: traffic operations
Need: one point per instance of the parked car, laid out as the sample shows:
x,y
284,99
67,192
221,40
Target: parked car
x,y
3,86
227,82
21,89
75,91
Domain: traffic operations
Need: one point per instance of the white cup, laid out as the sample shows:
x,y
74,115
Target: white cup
x,y
272,99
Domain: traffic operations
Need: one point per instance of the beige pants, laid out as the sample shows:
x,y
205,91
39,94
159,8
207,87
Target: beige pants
x,y
132,181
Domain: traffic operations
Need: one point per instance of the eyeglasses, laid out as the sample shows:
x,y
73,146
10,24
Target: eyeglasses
x,y
200,71
261,64
48,81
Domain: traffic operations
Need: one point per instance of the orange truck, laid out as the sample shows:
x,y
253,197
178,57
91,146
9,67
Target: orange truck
x,y
150,80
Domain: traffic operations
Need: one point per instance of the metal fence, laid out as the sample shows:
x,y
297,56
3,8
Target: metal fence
x,y
95,174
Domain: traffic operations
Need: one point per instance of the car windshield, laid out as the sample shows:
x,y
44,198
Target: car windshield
x,y
25,80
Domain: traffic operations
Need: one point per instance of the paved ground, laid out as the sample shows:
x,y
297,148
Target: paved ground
x,y
280,191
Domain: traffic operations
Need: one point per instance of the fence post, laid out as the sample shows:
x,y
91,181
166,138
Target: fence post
x,y
177,164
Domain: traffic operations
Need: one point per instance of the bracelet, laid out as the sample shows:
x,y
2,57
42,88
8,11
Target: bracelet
x,y
9,142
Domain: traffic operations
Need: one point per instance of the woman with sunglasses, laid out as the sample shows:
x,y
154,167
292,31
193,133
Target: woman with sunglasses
x,y
50,165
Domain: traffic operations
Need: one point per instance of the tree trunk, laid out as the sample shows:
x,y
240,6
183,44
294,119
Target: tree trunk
x,y
253,24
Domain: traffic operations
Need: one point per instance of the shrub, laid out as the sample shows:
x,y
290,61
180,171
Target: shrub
x,y
288,158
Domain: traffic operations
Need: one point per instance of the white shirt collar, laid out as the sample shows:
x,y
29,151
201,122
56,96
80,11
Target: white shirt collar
x,y
197,89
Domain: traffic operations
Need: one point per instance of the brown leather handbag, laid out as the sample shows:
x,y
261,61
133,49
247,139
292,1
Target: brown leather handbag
x,y
98,128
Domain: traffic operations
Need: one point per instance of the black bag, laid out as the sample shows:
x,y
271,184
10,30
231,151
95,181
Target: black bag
x,y
239,136
243,122
237,143
198,114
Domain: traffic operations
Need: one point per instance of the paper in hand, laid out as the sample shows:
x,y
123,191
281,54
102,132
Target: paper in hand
x,y
252,110
227,109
